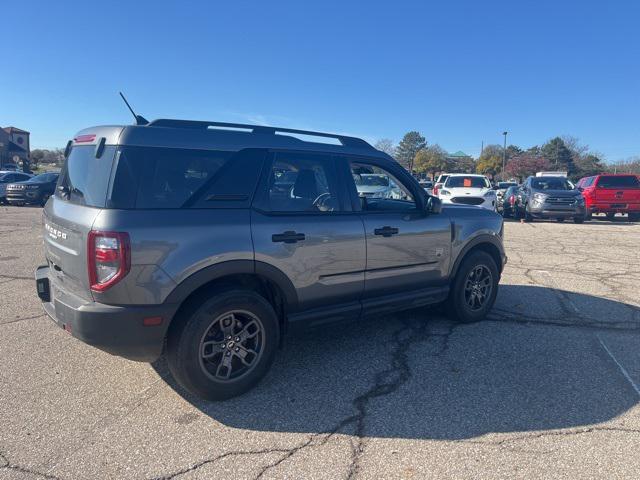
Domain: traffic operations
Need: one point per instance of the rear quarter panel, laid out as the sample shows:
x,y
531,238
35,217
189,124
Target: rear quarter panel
x,y
167,246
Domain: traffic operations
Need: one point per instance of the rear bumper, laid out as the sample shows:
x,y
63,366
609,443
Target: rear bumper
x,y
118,330
614,207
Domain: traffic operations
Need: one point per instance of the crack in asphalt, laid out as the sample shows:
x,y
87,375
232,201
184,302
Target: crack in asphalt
x,y
385,382
5,464
21,319
16,277
505,442
573,321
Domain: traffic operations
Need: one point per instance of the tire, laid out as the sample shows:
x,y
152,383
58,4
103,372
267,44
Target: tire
x,y
505,214
527,216
204,352
458,302
611,216
588,217
578,219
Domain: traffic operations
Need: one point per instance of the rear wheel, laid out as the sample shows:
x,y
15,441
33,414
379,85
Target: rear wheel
x,y
474,289
224,344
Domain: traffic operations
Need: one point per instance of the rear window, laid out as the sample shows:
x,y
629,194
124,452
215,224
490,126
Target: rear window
x,y
620,181
85,177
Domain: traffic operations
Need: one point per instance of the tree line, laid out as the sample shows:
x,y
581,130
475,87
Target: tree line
x,y
565,154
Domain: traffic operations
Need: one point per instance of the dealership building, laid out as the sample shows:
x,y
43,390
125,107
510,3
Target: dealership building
x,y
14,147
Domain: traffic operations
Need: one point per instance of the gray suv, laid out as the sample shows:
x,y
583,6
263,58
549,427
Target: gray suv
x,y
209,241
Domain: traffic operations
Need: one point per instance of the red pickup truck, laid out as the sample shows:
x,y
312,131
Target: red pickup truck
x,y
611,194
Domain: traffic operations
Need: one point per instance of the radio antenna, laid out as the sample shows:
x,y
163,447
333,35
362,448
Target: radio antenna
x,y
140,120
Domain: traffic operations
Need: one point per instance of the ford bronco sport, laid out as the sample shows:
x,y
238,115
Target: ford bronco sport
x,y
208,241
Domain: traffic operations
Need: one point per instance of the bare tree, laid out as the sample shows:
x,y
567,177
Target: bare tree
x,y
386,145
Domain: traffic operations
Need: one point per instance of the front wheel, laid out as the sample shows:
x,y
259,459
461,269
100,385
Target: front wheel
x,y
474,289
223,345
527,216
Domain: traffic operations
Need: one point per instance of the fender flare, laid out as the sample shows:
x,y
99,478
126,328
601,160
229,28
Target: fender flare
x,y
234,267
479,240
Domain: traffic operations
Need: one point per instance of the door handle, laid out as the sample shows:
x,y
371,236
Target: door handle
x,y
386,231
288,237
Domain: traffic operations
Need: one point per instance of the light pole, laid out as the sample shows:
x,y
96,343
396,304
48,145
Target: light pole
x,y
504,154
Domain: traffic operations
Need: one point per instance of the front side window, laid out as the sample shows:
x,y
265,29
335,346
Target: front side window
x,y
299,182
379,190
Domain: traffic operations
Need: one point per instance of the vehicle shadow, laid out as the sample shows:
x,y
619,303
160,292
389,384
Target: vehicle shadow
x,y
419,375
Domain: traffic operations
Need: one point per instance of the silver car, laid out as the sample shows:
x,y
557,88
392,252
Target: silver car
x,y
208,244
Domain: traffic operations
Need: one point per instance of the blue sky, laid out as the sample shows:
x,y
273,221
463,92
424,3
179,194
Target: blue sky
x,y
460,72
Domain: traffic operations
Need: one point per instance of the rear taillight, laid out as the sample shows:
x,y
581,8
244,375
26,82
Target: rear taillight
x,y
435,190
512,200
108,259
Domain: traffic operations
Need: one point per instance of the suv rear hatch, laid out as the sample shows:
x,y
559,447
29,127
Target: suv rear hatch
x,y
618,189
68,217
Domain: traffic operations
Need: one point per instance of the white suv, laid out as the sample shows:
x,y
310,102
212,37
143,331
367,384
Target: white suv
x,y
466,189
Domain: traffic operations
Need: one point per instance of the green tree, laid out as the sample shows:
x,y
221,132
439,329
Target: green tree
x,y
408,147
559,156
431,160
490,161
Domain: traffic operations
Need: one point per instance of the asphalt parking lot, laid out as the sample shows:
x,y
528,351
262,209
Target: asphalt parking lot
x,y
549,387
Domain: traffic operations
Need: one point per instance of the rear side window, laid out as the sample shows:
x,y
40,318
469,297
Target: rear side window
x,y
85,177
164,178
619,181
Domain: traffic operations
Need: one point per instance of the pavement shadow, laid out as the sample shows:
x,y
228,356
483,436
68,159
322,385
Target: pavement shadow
x,y
419,375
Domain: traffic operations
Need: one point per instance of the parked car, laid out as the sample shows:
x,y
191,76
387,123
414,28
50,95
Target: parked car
x,y
468,189
501,188
10,176
611,194
439,182
376,185
34,191
427,186
551,197
173,235
509,202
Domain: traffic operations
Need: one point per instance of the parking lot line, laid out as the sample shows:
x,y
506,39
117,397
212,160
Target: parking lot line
x,y
622,369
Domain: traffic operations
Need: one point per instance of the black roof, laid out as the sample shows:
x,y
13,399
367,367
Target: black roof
x,y
228,136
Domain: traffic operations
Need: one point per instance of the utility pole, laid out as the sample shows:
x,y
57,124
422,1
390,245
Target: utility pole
x,y
504,154
482,148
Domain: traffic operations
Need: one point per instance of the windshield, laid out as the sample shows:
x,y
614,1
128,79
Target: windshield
x,y
467,182
372,180
622,181
551,183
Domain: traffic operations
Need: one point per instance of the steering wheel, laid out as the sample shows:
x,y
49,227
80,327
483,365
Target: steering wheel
x,y
320,200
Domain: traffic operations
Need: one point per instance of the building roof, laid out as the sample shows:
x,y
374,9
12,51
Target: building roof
x,y
14,129
459,153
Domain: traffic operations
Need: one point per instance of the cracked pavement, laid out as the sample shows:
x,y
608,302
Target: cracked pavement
x,y
546,388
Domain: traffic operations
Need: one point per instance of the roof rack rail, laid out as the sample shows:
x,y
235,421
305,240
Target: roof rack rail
x,y
195,124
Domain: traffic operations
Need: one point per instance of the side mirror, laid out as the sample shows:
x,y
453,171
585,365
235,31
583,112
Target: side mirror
x,y
434,205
